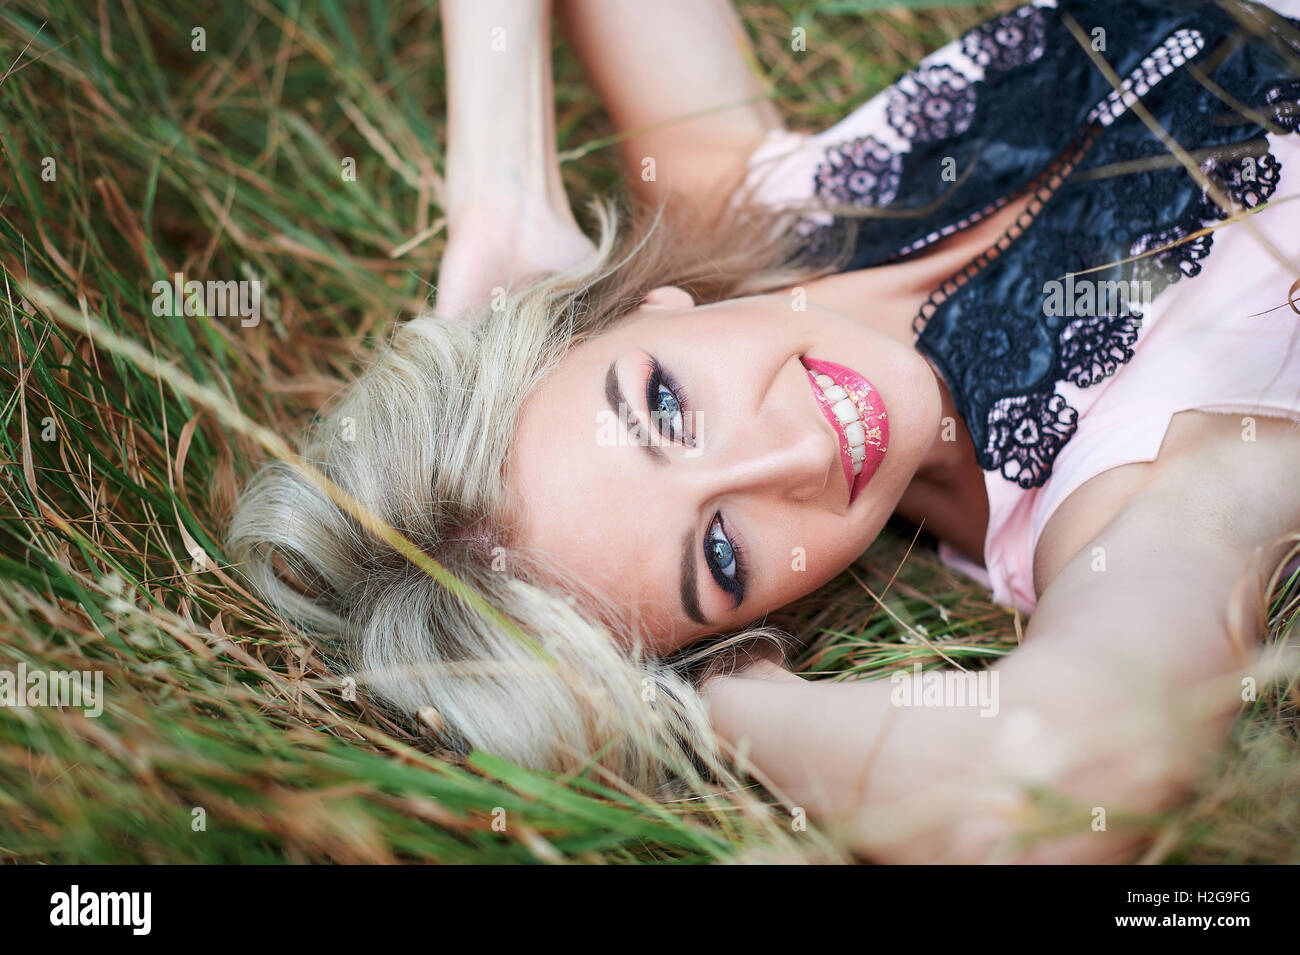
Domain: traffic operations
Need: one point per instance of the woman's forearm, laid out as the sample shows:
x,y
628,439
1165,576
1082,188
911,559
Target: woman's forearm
x,y
508,218
501,123
837,751
1122,693
678,80
902,779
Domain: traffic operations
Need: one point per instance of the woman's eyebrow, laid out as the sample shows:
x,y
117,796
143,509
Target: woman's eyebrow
x,y
622,409
690,596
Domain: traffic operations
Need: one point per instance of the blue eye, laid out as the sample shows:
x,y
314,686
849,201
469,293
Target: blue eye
x,y
667,405
724,560
666,409
724,557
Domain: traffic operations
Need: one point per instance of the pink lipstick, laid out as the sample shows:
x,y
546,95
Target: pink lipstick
x,y
857,413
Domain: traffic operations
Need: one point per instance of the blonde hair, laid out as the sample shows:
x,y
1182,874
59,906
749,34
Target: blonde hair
x,y
421,441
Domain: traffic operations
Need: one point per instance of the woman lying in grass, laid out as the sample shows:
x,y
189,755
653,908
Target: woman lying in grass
x,y
1036,297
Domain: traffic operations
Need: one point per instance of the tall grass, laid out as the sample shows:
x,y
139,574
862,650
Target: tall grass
x,y
126,434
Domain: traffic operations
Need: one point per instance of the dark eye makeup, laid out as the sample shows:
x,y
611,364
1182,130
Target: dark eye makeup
x,y
667,404
726,560
669,411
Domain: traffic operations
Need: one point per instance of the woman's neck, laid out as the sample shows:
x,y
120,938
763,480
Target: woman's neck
x,y
887,299
946,495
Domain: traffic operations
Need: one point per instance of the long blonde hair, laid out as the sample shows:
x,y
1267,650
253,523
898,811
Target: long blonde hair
x,y
421,440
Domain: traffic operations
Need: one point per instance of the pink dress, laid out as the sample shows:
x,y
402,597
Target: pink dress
x,y
1223,341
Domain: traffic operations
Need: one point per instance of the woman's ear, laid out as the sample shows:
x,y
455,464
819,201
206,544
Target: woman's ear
x,y
668,296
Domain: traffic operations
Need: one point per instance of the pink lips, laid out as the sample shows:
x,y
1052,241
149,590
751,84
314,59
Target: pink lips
x,y
871,409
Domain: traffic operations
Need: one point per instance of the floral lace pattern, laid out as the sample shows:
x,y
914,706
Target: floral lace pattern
x,y
1094,346
1247,182
1284,102
1026,432
933,103
1126,215
1007,41
1170,254
863,172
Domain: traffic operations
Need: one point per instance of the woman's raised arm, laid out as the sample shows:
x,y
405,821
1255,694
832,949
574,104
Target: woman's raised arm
x,y
507,214
676,76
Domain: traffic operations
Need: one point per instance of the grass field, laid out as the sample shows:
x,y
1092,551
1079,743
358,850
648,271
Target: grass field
x,y
130,156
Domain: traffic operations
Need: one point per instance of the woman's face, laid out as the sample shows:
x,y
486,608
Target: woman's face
x,y
685,465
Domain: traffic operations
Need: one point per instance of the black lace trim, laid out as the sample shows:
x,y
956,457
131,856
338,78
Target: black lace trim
x,y
1094,346
1107,204
1283,100
1026,432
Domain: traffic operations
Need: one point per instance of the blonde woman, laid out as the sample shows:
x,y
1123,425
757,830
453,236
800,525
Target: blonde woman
x,y
1037,296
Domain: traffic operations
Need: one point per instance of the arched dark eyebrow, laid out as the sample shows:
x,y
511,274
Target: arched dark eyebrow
x,y
690,598
622,409
618,403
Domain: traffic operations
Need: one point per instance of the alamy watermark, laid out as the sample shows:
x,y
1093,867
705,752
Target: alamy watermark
x,y
1085,297
75,907
83,689
946,688
242,299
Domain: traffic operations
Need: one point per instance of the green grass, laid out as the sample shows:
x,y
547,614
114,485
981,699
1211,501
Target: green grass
x,y
226,163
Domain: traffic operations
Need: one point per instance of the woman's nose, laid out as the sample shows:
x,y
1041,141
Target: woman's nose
x,y
783,455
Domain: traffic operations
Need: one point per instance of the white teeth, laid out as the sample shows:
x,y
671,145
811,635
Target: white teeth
x,y
845,410
857,468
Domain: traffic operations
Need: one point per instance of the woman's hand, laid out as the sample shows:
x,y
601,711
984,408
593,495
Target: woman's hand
x,y
508,217
500,242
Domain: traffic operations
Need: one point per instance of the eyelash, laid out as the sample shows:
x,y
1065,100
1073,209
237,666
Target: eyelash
x,y
657,375
734,586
